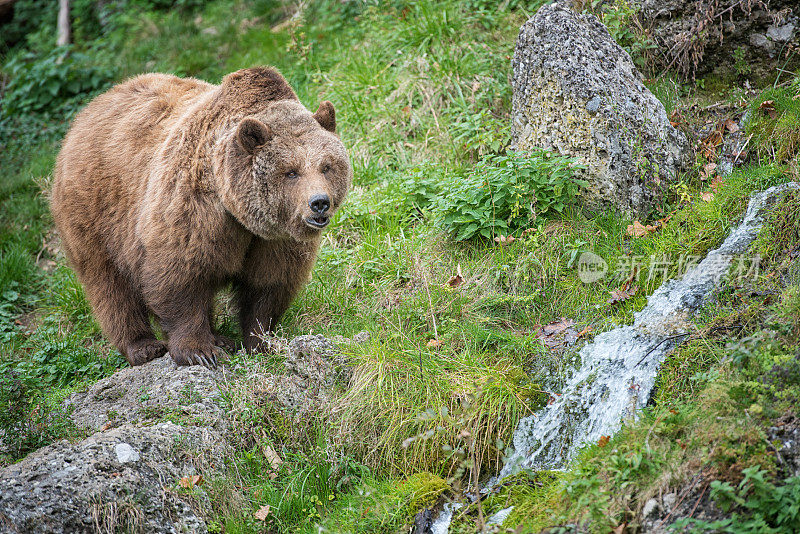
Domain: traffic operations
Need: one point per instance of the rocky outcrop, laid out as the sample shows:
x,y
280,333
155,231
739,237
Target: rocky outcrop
x,y
577,92
153,428
748,38
157,390
122,479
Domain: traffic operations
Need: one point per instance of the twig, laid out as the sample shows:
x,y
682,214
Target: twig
x,y
684,494
741,150
668,338
703,492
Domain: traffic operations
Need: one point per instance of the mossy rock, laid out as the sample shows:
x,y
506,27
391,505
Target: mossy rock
x,y
420,491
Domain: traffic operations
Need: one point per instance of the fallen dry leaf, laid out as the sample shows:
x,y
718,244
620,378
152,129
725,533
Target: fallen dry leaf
x,y
768,107
732,125
707,196
190,481
622,293
713,139
273,458
716,182
433,343
560,333
675,118
708,151
556,327
708,170
457,279
637,229
505,239
662,222
262,513
603,441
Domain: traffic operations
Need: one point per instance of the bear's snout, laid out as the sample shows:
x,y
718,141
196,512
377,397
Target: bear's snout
x,y
319,203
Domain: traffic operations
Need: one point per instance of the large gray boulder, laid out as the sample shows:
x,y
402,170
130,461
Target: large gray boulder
x,y
151,427
124,479
577,93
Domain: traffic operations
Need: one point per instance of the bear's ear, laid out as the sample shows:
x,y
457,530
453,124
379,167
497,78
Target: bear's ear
x,y
252,133
326,116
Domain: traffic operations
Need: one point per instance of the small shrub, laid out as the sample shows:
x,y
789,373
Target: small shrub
x,y
505,194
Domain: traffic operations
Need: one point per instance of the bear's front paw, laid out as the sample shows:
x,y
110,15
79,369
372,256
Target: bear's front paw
x,y
142,351
205,355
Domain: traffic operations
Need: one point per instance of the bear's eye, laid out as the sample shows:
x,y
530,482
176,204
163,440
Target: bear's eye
x,y
291,175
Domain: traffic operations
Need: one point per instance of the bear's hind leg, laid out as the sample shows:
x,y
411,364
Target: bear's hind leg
x,y
121,312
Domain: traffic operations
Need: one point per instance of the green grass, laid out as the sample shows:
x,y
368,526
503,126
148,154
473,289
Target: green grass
x,y
422,97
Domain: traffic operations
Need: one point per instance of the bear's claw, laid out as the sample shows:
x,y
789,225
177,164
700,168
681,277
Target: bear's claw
x,y
206,358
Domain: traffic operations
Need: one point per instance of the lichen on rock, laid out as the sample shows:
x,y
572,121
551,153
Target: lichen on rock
x,y
578,93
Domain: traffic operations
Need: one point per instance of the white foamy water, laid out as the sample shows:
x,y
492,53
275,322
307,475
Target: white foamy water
x,y
618,369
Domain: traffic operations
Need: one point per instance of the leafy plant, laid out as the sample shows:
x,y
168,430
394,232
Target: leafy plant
x,y
26,420
621,19
480,133
505,194
51,82
758,505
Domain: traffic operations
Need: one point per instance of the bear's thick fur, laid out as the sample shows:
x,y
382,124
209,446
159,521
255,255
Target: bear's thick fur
x,y
167,189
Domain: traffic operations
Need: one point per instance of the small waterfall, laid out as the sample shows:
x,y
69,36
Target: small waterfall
x,y
618,369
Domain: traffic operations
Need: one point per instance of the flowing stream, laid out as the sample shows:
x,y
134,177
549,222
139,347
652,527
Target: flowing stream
x,y
618,368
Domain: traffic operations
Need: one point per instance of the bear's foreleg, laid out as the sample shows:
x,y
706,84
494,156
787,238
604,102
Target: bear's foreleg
x,y
184,313
272,275
260,311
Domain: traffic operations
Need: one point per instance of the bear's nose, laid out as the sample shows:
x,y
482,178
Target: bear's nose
x,y
319,203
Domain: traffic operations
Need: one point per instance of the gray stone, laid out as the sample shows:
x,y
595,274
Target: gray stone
x,y
669,501
577,93
689,44
126,453
315,368
361,338
152,391
126,475
781,34
593,105
649,508
316,359
760,40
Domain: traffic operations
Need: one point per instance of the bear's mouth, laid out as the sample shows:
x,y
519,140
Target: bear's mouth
x,y
318,221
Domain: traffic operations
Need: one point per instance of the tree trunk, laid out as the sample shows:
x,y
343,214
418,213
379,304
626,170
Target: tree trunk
x,y
5,7
63,23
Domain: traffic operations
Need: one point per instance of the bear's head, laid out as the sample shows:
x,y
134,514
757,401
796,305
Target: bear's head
x,y
285,171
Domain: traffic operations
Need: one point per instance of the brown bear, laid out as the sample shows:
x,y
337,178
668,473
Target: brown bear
x,y
167,189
